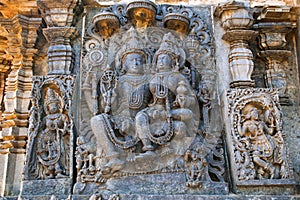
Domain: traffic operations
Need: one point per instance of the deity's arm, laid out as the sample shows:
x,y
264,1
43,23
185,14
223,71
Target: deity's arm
x,y
108,84
242,129
182,114
267,129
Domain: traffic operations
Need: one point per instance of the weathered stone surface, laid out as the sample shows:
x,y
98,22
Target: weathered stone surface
x,y
146,118
159,184
46,187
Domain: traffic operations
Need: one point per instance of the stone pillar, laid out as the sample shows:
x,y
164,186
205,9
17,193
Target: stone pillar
x,y
54,172
4,69
252,116
21,37
237,21
297,19
59,17
273,26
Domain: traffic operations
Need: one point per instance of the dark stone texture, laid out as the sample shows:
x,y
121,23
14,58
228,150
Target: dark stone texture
x,y
159,184
266,187
47,187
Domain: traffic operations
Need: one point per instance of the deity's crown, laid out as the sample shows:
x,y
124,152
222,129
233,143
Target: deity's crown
x,y
52,97
169,46
132,44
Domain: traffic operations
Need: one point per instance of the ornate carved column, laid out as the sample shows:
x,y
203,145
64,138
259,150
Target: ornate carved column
x,y
59,17
256,146
272,41
237,20
21,37
4,70
49,156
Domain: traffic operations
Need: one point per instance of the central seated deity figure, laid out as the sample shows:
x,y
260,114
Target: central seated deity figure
x,y
171,112
148,120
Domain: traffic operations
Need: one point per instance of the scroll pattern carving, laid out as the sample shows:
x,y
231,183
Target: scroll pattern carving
x,y
259,147
51,128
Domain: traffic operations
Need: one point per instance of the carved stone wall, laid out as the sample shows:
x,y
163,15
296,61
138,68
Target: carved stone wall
x,y
149,100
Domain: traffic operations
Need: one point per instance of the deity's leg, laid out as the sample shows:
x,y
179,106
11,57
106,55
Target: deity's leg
x,y
100,130
142,128
266,166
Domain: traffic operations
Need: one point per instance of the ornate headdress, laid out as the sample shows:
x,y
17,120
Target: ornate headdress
x,y
170,46
132,44
51,97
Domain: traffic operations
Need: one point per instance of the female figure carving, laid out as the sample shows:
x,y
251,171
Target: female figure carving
x,y
265,142
53,141
165,119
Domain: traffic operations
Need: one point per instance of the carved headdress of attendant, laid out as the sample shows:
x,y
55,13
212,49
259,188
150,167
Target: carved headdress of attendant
x,y
132,43
52,97
171,45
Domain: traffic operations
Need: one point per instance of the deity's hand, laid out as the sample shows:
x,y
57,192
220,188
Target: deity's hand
x,y
125,126
181,100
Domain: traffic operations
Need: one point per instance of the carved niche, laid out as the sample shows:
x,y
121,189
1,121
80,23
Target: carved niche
x,y
148,88
256,143
50,129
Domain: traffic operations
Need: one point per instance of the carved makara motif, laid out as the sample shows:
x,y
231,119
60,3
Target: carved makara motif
x,y
50,129
258,141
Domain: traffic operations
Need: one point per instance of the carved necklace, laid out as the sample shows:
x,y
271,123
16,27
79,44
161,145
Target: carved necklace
x,y
161,90
134,80
136,98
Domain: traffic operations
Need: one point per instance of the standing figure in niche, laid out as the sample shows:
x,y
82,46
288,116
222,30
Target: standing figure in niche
x,y
53,140
167,117
262,146
115,129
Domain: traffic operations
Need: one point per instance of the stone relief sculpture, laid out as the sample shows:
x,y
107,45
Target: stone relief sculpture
x,y
170,115
122,100
53,140
259,147
143,85
50,129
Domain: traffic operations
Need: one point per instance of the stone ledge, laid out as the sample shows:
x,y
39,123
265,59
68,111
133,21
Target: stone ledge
x,y
149,184
268,187
164,197
46,187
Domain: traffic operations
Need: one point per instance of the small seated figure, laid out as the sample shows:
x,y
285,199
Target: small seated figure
x,y
197,167
52,142
165,119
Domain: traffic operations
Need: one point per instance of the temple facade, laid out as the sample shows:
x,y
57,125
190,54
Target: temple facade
x,y
145,99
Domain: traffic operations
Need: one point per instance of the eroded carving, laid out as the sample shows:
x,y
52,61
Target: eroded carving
x,y
143,85
259,148
52,142
50,129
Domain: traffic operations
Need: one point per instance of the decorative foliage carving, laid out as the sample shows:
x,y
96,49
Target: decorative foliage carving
x,y
50,128
258,141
